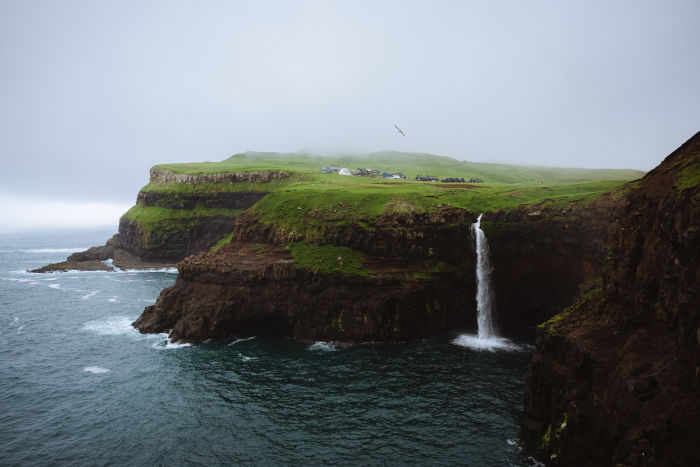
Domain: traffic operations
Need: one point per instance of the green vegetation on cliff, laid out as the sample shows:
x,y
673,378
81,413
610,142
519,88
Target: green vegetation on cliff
x,y
409,163
152,218
689,175
309,209
328,258
307,204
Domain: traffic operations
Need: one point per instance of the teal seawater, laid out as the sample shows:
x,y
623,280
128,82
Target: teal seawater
x,y
78,385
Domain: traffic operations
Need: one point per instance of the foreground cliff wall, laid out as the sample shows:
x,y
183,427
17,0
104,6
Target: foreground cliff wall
x,y
615,377
541,255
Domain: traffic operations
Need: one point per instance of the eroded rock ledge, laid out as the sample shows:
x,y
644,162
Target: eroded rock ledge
x,y
241,290
166,176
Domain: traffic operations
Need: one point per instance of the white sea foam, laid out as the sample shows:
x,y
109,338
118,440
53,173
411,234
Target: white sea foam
x,y
112,300
132,271
12,279
95,369
323,346
491,344
19,329
169,345
54,250
247,359
113,326
55,286
91,294
244,339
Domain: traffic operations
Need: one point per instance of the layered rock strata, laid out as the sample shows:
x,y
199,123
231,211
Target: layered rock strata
x,y
237,292
214,290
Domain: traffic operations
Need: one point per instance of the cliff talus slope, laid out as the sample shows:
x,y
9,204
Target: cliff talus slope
x,y
615,377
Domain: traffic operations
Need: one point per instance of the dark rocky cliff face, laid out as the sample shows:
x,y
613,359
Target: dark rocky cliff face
x,y
173,239
221,293
615,377
172,242
541,254
236,291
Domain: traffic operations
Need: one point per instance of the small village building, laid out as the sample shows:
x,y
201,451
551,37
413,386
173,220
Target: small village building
x,y
344,171
330,169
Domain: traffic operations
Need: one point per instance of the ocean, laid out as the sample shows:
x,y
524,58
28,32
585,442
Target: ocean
x,y
80,386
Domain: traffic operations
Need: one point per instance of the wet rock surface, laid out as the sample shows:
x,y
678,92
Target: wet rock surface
x,y
87,265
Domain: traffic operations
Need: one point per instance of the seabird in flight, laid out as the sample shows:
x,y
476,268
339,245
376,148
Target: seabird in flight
x,y
399,129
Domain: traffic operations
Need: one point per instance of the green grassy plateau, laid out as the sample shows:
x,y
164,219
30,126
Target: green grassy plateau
x,y
411,164
309,202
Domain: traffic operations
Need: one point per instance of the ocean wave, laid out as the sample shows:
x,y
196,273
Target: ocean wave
x,y
12,279
55,286
490,344
243,339
95,369
114,326
323,346
169,345
91,294
149,270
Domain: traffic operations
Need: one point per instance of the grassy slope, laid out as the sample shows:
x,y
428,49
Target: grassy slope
x,y
308,207
411,164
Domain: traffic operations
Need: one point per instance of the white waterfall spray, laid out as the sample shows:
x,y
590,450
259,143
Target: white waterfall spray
x,y
486,339
484,295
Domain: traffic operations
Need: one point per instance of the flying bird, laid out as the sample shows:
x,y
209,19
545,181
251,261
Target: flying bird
x,y
399,129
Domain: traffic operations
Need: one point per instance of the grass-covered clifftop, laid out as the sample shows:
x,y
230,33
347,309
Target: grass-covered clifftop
x,y
410,163
300,200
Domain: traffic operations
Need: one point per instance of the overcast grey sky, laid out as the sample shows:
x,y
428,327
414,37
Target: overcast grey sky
x,y
93,93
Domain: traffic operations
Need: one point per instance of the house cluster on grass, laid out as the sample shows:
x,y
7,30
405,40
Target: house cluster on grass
x,y
362,172
430,178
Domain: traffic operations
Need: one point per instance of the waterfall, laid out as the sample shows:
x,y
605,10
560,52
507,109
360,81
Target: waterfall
x,y
484,295
486,339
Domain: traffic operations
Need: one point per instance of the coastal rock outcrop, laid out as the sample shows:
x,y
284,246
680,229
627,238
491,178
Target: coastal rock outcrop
x,y
243,289
414,287
175,216
615,379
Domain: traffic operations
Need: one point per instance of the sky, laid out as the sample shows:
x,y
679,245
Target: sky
x,y
93,93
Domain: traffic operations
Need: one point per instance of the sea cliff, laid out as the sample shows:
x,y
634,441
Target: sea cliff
x,y
615,377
